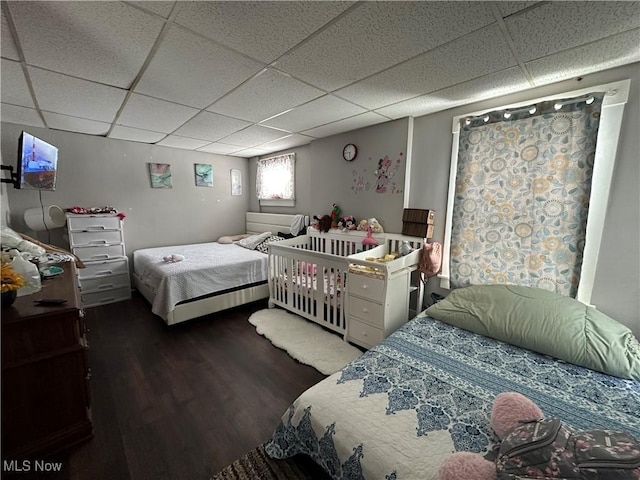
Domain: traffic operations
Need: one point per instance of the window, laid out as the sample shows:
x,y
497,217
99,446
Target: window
x,y
275,180
608,133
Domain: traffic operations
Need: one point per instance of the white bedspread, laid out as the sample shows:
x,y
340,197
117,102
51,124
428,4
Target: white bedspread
x,y
207,268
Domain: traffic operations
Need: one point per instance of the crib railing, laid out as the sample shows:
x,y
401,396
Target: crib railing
x,y
308,283
308,274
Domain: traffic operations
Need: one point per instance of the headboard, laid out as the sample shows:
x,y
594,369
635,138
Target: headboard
x,y
269,222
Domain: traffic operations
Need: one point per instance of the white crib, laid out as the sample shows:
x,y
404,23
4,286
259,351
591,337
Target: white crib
x,y
308,275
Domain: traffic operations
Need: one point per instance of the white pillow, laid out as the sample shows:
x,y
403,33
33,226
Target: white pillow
x,y
253,241
233,238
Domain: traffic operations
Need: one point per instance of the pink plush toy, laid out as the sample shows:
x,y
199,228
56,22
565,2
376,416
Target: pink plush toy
x,y
508,409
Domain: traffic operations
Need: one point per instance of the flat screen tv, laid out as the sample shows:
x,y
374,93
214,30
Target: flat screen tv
x,y
37,163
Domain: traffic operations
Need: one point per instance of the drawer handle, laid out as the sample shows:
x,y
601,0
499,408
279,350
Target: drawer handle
x,y
106,286
107,300
96,227
102,255
100,242
104,272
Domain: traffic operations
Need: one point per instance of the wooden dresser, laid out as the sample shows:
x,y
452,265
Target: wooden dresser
x,y
45,391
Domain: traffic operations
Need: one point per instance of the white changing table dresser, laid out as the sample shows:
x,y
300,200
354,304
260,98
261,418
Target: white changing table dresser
x,y
379,294
98,240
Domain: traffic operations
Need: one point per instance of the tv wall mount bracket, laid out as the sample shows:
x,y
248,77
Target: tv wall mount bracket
x,y
13,176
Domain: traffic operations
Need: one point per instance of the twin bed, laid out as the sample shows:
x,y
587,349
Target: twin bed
x,y
427,390
212,276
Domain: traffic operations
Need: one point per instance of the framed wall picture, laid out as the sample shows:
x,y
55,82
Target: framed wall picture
x,y
160,175
204,174
236,182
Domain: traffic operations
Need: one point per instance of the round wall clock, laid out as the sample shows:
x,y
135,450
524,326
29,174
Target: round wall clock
x,y
349,152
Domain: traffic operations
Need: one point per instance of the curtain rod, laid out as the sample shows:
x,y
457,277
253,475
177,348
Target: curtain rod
x,y
588,99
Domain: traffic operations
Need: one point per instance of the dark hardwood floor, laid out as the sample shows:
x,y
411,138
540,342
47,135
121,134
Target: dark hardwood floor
x,y
180,402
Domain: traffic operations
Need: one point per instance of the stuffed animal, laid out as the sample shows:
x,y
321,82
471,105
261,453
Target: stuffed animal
x,y
362,226
347,223
335,215
508,410
375,226
322,223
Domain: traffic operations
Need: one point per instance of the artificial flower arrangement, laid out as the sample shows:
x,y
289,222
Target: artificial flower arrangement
x,y
11,280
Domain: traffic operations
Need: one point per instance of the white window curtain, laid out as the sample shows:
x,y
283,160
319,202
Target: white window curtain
x,y
275,178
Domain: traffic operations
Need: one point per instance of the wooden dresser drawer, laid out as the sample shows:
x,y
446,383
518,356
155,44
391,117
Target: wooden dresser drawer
x,y
107,237
104,268
90,223
366,287
88,254
366,310
364,334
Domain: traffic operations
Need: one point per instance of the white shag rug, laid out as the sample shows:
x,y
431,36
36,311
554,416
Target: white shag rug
x,y
304,340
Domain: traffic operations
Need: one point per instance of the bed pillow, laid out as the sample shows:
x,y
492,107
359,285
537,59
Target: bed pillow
x,y
545,322
233,238
264,246
252,241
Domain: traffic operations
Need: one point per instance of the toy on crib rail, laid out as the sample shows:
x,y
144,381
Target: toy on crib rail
x,y
322,223
347,223
335,215
369,240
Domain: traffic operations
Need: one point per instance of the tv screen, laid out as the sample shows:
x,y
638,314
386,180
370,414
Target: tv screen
x,y
37,163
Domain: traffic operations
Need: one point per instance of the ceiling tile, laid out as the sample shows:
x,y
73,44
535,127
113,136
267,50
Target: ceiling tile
x,y
348,124
610,52
501,83
8,46
251,152
210,126
254,135
556,26
175,141
162,8
153,114
220,148
456,62
377,35
212,70
75,124
265,95
14,87
244,26
72,96
135,134
21,115
290,141
318,112
107,42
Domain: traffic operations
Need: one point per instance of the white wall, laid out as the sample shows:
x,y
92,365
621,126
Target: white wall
x,y
617,286
95,171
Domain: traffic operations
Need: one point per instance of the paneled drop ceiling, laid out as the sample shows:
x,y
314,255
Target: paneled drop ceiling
x,y
250,78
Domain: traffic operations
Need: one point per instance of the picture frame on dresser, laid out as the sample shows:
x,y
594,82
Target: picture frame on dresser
x,y
98,241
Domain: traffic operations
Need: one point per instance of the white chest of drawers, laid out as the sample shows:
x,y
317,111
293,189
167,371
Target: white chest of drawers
x,y
98,240
378,299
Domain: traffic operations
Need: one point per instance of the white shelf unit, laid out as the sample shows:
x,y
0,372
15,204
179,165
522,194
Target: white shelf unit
x,y
98,240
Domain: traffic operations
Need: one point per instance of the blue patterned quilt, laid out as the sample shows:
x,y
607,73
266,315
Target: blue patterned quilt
x,y
427,391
